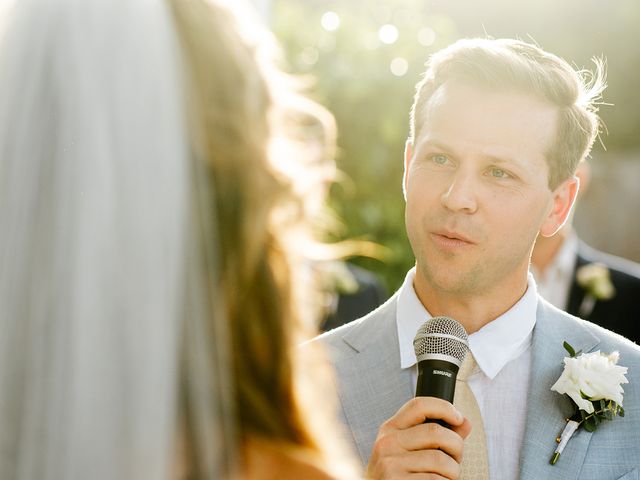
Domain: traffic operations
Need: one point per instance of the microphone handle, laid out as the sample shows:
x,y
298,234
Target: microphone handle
x,y
437,378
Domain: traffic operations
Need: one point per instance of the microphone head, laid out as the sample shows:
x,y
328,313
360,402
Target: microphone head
x,y
441,338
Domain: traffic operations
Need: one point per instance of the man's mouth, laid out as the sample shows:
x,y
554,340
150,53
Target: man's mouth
x,y
448,240
450,235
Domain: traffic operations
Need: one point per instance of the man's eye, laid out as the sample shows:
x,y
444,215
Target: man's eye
x,y
499,173
439,159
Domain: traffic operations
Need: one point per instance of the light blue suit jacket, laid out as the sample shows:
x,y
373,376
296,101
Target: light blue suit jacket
x,y
372,387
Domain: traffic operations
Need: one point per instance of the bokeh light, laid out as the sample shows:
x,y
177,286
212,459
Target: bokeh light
x,y
399,66
388,34
330,21
309,56
426,36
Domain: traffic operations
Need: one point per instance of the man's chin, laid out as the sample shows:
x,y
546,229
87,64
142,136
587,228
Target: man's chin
x,y
449,281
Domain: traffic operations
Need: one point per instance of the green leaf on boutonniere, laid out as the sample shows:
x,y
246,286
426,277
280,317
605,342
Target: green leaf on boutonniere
x,y
569,349
590,424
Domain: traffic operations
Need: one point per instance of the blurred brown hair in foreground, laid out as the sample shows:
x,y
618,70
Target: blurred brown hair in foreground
x,y
157,249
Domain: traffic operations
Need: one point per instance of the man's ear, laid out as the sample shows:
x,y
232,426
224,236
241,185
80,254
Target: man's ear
x,y
408,153
564,197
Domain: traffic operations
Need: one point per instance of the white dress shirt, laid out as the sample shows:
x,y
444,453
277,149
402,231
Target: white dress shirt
x,y
554,283
502,350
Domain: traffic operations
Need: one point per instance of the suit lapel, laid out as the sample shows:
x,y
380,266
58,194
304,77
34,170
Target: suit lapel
x,y
375,386
547,410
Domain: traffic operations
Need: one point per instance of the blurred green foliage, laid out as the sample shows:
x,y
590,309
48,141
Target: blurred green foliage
x,y
353,78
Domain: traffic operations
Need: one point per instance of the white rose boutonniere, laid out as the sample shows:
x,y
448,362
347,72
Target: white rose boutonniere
x,y
596,281
593,381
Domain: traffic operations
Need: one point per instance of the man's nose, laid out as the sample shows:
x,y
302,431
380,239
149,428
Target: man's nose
x,y
460,194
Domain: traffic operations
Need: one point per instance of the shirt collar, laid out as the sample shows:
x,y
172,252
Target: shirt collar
x,y
493,346
410,315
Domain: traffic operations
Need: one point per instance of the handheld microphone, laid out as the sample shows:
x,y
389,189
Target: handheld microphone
x,y
441,345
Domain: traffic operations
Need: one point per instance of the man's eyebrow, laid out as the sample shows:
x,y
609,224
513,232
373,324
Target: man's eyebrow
x,y
501,160
505,161
432,142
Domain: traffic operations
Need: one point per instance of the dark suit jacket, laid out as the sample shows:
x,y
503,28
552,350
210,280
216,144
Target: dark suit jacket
x,y
621,313
369,296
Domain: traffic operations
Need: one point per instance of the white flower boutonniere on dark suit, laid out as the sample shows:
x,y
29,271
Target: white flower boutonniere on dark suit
x,y
593,381
595,279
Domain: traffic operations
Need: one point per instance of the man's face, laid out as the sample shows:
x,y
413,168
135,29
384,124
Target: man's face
x,y
477,190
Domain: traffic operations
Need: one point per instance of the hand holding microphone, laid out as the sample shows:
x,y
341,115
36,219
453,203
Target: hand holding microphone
x,y
426,435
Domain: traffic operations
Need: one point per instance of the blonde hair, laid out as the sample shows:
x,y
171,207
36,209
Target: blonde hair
x,y
526,68
240,105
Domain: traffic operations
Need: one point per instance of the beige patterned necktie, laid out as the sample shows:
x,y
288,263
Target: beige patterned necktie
x,y
475,464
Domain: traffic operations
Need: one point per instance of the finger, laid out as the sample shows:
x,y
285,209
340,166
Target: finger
x,y
432,436
419,409
418,464
464,429
426,476
434,462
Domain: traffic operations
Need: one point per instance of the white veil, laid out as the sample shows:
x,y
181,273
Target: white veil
x,y
99,254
